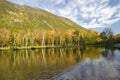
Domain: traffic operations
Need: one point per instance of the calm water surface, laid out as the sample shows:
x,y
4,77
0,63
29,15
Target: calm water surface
x,y
88,63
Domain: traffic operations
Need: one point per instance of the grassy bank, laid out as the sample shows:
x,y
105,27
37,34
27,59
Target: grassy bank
x,y
34,47
4,48
26,47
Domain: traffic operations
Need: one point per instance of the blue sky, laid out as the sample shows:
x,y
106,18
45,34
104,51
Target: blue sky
x,y
87,13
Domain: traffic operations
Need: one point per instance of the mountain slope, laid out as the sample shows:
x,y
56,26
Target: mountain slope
x,y
12,15
23,26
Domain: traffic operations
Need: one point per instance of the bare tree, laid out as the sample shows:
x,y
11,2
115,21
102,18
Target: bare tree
x,y
108,32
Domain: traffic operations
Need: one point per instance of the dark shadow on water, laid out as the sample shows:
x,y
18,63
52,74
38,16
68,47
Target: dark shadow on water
x,y
108,54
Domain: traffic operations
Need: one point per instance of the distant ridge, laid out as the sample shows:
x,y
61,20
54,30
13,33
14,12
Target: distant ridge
x,y
13,15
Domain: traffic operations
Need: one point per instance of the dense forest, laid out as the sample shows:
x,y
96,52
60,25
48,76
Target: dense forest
x,y
37,37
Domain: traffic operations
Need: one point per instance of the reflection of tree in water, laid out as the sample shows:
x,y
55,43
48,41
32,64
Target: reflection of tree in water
x,y
78,53
44,63
43,58
108,53
54,56
82,50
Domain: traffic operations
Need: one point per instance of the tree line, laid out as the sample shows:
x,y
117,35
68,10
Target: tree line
x,y
37,37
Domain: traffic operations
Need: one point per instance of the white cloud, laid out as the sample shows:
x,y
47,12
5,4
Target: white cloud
x,y
91,25
85,15
93,21
98,12
58,1
66,11
112,21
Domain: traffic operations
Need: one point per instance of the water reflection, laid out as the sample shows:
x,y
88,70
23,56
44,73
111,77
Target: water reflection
x,y
111,54
108,54
106,67
46,63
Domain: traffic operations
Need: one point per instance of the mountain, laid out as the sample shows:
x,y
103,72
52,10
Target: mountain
x,y
23,26
12,15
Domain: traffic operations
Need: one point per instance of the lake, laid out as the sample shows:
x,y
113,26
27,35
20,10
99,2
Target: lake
x,y
78,63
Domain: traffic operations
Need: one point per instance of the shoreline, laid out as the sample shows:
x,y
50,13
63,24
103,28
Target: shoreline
x,y
34,47
50,46
27,47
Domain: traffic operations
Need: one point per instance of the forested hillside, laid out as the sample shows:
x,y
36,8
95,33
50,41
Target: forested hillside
x,y
26,26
